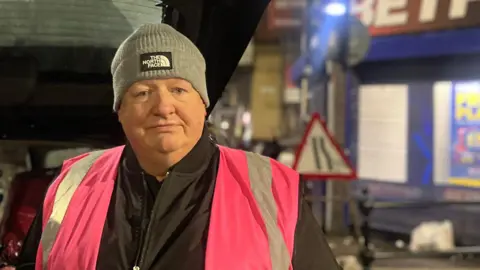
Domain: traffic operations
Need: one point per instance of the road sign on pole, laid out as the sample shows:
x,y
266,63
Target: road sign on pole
x,y
319,156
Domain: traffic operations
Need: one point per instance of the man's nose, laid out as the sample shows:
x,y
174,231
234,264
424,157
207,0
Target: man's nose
x,y
163,103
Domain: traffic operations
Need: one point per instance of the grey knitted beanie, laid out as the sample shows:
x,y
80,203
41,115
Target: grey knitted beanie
x,y
157,51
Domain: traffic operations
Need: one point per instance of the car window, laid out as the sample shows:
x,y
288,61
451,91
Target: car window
x,y
55,158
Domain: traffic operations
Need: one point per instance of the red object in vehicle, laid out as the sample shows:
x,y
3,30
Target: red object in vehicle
x,y
26,196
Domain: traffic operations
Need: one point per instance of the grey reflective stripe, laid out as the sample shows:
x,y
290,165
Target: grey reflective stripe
x,y
63,196
260,173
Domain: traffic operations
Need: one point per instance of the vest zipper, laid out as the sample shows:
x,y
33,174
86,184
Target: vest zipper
x,y
144,238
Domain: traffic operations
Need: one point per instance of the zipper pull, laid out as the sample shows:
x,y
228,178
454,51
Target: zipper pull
x,y
136,267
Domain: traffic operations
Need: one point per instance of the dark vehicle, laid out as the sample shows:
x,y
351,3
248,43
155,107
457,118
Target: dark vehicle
x,y
26,191
59,88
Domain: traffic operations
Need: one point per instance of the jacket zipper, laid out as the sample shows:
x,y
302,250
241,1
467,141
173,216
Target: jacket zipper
x,y
142,247
142,224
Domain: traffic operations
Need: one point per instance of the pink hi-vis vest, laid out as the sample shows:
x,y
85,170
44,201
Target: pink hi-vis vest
x,y
252,223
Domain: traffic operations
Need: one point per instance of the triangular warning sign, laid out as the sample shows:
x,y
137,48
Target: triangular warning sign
x,y
319,155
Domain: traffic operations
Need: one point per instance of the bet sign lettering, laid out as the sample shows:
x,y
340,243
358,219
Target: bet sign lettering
x,y
391,13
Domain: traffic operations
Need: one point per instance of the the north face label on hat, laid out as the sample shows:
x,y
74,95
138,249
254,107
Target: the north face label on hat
x,y
155,61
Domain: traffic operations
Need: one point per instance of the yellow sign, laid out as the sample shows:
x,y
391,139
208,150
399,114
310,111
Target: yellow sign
x,y
467,106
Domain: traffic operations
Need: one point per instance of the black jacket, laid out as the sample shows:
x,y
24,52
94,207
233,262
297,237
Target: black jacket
x,y
178,211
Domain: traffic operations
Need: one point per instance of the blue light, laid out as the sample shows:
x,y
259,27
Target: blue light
x,y
335,9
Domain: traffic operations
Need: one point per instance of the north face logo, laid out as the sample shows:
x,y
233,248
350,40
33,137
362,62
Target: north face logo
x,y
156,61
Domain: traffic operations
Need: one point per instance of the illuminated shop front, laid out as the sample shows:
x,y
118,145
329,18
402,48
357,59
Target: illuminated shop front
x,y
413,125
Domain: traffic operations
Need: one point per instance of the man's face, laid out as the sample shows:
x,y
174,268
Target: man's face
x,y
165,115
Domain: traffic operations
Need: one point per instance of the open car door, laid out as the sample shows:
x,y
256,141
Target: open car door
x,y
221,29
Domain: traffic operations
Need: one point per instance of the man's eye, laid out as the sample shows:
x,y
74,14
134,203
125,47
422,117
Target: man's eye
x,y
141,94
178,90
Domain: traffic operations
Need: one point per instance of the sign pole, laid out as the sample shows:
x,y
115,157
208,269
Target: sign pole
x,y
319,158
307,70
336,71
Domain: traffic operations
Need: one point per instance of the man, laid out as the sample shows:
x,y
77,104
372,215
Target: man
x,y
171,198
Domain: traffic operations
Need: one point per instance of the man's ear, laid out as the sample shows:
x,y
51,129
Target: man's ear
x,y
120,114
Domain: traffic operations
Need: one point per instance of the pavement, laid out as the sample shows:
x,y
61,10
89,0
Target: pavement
x,y
344,247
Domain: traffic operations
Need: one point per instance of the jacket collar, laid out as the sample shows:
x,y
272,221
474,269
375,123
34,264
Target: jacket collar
x,y
196,161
